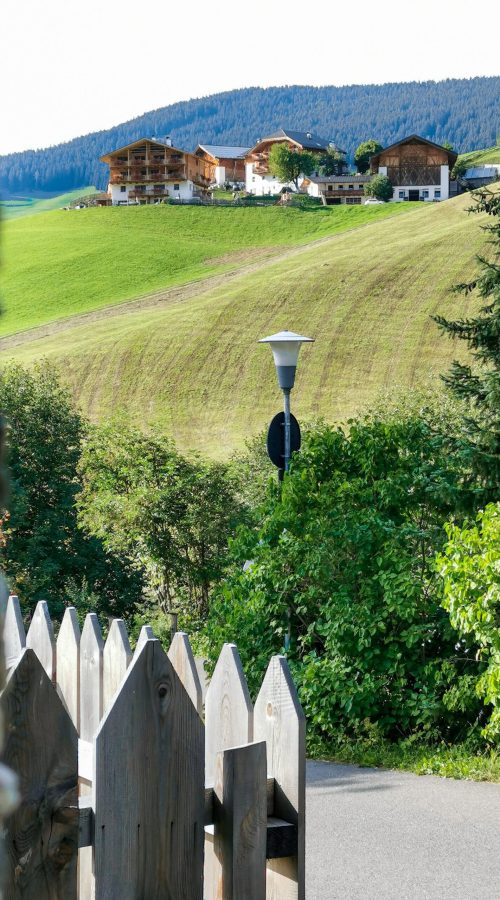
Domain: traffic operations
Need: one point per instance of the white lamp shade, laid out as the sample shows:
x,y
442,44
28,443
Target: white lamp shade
x,y
285,346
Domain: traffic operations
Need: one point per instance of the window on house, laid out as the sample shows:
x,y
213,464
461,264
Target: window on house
x,y
123,188
401,195
177,187
425,194
330,187
351,187
437,195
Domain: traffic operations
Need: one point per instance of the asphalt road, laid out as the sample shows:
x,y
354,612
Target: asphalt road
x,y
381,835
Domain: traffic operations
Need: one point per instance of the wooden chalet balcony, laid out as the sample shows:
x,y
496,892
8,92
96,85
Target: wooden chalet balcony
x,y
344,192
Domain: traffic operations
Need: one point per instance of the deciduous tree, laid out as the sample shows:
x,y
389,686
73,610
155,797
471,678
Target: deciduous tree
x,y
288,165
364,152
380,188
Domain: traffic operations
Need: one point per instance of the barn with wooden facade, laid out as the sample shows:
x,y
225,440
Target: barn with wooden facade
x,y
150,170
259,180
227,164
417,168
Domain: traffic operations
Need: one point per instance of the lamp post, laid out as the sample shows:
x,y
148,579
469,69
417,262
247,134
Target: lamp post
x,y
285,346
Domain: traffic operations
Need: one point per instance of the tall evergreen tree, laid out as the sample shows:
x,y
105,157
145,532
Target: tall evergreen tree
x,y
479,384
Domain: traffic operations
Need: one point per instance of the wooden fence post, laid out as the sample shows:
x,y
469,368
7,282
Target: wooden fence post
x,y
68,664
182,659
228,709
228,723
241,823
14,634
149,816
116,659
91,706
42,747
40,638
280,722
145,634
91,663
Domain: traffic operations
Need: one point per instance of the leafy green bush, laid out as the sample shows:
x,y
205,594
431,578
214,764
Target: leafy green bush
x,y
45,556
170,517
470,567
345,560
379,187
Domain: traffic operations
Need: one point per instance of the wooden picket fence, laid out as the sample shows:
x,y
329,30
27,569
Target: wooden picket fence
x,y
131,788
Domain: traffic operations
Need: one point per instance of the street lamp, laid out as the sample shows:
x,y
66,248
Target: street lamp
x,y
285,346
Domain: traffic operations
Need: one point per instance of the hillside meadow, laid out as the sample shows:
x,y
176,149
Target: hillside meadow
x,y
17,207
73,261
194,369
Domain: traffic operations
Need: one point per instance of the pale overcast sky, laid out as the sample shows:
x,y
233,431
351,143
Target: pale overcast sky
x,y
72,68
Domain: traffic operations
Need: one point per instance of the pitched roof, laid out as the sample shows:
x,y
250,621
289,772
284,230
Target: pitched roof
x,y
452,155
306,139
221,152
144,140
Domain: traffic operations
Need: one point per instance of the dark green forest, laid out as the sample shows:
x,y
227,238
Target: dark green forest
x,y
464,112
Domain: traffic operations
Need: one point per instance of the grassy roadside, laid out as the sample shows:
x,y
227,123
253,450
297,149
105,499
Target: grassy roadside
x,y
448,760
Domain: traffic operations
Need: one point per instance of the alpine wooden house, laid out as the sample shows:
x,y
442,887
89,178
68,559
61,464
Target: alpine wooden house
x,y
336,189
150,170
227,164
417,168
259,180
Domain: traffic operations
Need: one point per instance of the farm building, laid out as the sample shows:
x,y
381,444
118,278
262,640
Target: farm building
x,y
417,168
150,170
227,164
259,180
336,189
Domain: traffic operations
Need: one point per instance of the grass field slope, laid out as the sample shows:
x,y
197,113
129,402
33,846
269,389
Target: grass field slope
x,y
73,261
191,363
16,207
482,157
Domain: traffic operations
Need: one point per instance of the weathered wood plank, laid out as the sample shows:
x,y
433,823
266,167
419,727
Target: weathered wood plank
x,y
241,821
85,822
116,660
228,723
68,664
228,709
182,659
145,634
14,635
91,664
149,815
281,839
202,675
209,800
280,722
40,638
42,835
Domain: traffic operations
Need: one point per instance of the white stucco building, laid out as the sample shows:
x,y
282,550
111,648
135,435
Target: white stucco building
x,y
259,180
149,171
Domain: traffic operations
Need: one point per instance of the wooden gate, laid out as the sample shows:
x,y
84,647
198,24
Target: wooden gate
x,y
131,790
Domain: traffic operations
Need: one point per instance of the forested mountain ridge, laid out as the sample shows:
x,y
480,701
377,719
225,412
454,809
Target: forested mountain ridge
x,y
465,112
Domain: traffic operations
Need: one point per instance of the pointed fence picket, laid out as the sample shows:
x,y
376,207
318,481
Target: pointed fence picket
x,y
166,805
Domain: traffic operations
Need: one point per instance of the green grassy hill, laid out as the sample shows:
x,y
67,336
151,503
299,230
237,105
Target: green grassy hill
x,y
482,157
16,207
191,364
69,262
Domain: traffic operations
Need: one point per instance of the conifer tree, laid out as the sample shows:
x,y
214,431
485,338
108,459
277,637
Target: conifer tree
x,y
479,384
